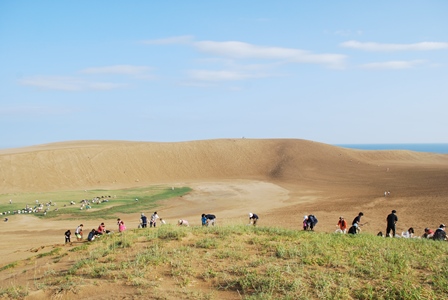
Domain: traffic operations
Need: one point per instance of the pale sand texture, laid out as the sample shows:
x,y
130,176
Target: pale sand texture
x,y
279,179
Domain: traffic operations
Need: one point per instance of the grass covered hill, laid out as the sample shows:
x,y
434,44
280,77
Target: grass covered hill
x,y
232,262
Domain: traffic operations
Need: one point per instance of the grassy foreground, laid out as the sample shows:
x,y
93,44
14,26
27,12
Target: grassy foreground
x,y
242,262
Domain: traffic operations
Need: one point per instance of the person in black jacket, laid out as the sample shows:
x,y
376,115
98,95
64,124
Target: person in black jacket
x,y
211,219
143,221
440,233
67,236
92,235
392,219
253,218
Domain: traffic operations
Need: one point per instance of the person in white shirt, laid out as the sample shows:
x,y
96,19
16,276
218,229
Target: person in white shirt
x,y
408,234
182,222
153,221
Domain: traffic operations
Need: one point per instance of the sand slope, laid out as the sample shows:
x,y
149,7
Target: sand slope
x,y
280,179
109,164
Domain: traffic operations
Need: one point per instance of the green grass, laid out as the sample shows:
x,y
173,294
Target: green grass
x,y
51,253
120,201
263,263
9,266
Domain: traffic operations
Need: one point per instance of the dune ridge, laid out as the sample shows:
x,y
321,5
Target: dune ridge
x,y
118,164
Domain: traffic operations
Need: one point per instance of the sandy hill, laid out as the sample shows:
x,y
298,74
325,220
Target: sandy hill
x,y
114,164
280,179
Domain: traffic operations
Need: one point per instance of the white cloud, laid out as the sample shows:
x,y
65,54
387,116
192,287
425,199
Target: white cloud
x,y
392,65
34,110
241,50
348,33
67,83
369,46
207,75
184,39
117,69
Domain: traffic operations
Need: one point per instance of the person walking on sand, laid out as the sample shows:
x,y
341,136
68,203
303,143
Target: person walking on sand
x,y
67,234
144,221
153,221
253,218
78,232
342,224
357,219
391,219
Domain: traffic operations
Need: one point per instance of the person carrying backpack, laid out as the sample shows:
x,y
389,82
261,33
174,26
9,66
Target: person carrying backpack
x,y
312,221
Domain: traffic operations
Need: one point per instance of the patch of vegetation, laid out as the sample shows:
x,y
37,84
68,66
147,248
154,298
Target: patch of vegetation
x,y
52,252
113,202
261,263
13,292
9,266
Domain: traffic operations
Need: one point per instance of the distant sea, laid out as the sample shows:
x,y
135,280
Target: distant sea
x,y
434,148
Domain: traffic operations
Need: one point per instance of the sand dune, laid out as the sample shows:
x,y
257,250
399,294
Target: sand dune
x,y
280,179
110,164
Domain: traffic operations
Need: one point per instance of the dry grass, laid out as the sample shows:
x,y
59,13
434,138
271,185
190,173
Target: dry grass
x,y
241,262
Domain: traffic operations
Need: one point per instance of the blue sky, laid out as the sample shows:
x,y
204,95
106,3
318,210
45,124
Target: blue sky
x,y
329,71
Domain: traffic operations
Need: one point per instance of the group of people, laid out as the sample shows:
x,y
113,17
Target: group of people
x,y
152,221
391,220
208,219
309,222
94,233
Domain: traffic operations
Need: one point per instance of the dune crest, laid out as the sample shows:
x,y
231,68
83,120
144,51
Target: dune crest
x,y
119,164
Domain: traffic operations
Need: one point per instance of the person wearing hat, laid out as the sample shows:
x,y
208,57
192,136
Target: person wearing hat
x,y
143,221
440,233
392,219
253,218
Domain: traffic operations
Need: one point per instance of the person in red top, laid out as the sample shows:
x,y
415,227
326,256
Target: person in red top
x,y
342,224
101,229
428,233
